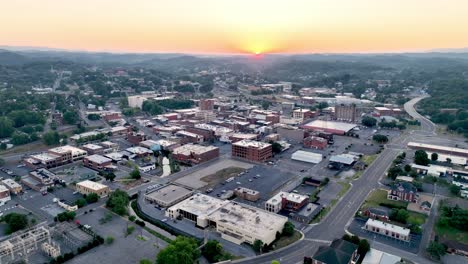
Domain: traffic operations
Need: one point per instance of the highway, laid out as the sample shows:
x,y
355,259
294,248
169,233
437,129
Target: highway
x,y
335,223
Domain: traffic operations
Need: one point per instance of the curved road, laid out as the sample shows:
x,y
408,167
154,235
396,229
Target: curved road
x,y
335,223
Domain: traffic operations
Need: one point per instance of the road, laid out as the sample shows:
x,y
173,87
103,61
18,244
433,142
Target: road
x,y
335,223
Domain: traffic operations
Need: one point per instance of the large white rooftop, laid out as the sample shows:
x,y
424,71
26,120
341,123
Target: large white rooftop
x,y
44,157
200,205
67,148
95,186
437,147
293,197
331,125
251,144
306,156
191,148
98,159
387,226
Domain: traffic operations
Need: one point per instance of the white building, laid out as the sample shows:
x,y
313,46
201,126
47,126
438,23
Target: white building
x,y
136,101
387,229
306,156
283,199
67,150
236,222
4,195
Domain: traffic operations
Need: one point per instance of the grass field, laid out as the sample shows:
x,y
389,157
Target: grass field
x,y
416,218
368,159
449,233
285,240
379,196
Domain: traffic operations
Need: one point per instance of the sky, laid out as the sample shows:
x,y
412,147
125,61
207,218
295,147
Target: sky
x,y
236,26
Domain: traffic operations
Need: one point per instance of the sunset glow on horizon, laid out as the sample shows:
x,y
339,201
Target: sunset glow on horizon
x,y
241,26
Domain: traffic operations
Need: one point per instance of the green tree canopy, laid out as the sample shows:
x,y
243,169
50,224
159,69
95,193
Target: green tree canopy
x,y
369,121
182,250
15,222
421,158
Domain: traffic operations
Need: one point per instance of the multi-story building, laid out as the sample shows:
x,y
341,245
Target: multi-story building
x,y
13,186
206,104
241,136
195,154
388,229
236,222
403,191
252,150
315,142
4,195
290,133
87,187
347,113
98,162
92,148
68,153
381,214
303,114
188,137
286,201
136,137
247,194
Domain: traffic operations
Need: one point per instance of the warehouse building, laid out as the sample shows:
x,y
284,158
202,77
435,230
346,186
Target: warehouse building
x,y
252,150
195,154
168,195
236,222
87,187
387,229
337,128
439,149
306,156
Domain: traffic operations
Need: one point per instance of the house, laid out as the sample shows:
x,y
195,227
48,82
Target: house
x,y
403,191
379,213
339,252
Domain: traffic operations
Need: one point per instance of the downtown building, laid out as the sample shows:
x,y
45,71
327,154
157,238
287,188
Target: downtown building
x,y
252,150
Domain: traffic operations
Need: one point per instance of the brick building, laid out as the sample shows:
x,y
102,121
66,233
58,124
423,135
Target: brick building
x,y
315,142
247,194
195,154
252,150
97,162
403,191
206,104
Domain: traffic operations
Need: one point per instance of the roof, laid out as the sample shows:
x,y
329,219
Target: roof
x,y
199,204
342,158
11,183
44,157
345,127
404,187
98,159
379,211
190,149
293,197
67,148
306,156
95,186
246,190
374,256
437,147
244,136
386,226
343,245
251,144
331,255
405,178
169,193
92,146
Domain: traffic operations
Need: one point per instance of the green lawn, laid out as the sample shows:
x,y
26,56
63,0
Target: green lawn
x,y
449,233
285,240
376,197
368,159
416,218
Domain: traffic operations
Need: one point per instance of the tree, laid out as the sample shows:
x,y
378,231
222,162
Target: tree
x,y
3,146
454,189
276,147
80,202
51,138
434,156
265,105
212,251
288,229
70,117
6,127
65,216
407,168
436,250
448,160
15,222
110,176
257,245
182,250
380,138
363,247
400,215
92,198
369,121
110,240
145,261
118,202
355,240
135,174
420,158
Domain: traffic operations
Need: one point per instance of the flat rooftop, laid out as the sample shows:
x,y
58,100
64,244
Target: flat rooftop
x,y
192,148
251,144
98,159
437,147
293,197
68,148
244,136
250,219
307,156
169,193
92,146
96,186
331,125
44,157
200,205
387,226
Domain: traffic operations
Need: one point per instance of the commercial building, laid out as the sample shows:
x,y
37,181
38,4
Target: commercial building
x,y
160,144
315,142
139,151
247,194
136,137
87,187
136,101
168,195
206,104
4,195
44,160
93,148
439,149
68,153
13,186
303,114
374,256
347,113
286,201
98,162
252,150
195,154
240,136
306,156
380,213
290,133
337,128
388,229
188,137
236,222
339,252
403,191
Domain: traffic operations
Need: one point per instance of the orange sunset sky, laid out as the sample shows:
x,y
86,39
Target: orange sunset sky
x,y
237,26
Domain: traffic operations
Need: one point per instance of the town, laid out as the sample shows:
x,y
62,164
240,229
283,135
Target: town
x,y
114,165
